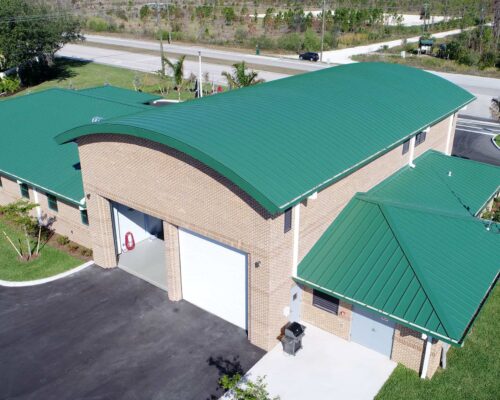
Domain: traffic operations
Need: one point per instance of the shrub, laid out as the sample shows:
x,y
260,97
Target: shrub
x,y
9,85
144,12
264,42
468,58
290,42
98,24
73,247
312,42
63,240
86,252
488,59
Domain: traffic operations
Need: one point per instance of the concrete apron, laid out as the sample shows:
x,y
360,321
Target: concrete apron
x,y
328,367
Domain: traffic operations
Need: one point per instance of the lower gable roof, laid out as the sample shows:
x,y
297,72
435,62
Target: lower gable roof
x,y
429,268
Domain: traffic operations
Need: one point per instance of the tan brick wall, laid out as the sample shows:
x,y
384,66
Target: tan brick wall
x,y
435,139
408,349
173,262
339,325
172,186
66,221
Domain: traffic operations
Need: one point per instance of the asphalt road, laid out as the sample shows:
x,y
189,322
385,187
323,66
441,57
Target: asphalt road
x,y
473,141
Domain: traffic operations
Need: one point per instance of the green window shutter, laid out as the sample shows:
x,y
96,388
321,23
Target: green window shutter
x,y
25,192
52,201
84,217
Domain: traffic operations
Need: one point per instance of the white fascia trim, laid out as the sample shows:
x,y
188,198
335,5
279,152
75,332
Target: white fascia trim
x,y
351,300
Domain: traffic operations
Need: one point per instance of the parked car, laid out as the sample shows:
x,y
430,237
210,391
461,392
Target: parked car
x,y
309,56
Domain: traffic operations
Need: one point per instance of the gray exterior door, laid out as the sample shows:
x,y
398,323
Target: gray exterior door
x,y
372,331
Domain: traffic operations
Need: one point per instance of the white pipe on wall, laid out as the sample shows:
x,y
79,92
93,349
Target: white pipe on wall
x,y
412,152
448,137
427,355
296,234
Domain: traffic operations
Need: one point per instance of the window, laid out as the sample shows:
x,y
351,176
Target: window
x,y
420,138
288,220
84,217
326,302
406,146
1,183
25,192
52,200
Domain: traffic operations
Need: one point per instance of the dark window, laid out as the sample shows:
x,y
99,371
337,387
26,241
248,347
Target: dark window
x,y
288,220
84,217
1,183
25,192
326,302
406,146
420,138
52,200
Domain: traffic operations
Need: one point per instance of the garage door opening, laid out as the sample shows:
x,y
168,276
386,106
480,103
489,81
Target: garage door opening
x,y
214,277
139,244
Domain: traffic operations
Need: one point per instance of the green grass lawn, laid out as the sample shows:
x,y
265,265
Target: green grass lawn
x,y
71,74
472,373
497,140
50,262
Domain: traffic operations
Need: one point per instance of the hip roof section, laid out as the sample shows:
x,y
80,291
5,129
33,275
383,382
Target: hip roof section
x,y
425,263
283,140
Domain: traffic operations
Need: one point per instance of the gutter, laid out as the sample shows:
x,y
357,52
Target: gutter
x,y
393,317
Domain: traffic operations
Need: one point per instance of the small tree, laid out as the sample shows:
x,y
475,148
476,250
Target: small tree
x,y
245,389
18,213
177,71
240,78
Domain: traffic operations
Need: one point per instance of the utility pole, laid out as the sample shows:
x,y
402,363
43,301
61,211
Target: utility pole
x,y
322,31
160,35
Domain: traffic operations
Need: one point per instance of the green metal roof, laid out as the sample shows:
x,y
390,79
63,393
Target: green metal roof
x,y
29,124
443,183
120,95
427,266
283,140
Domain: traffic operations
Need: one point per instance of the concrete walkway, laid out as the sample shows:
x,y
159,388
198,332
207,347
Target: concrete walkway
x,y
326,368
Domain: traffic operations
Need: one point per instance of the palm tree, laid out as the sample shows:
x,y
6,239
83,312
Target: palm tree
x,y
239,78
178,72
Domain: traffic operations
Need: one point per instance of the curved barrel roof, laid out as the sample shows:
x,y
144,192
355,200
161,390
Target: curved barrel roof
x,y
281,141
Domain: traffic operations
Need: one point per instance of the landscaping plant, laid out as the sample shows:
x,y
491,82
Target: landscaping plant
x,y
18,214
245,389
240,78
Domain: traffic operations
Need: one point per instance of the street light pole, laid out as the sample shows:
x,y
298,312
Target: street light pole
x,y
200,80
322,31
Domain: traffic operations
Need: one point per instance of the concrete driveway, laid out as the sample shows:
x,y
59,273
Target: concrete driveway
x,y
104,334
327,368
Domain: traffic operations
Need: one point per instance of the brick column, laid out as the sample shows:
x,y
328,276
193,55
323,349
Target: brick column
x,y
101,231
173,262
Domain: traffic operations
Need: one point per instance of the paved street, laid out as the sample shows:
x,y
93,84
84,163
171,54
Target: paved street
x,y
473,140
105,334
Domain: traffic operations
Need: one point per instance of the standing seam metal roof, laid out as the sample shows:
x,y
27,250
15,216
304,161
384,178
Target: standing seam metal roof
x,y
283,140
427,266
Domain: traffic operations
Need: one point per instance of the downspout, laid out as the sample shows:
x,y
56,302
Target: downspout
x,y
427,355
448,137
444,353
412,152
296,235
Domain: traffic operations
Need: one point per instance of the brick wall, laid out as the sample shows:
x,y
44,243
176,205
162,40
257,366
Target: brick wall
x,y
339,325
178,189
66,221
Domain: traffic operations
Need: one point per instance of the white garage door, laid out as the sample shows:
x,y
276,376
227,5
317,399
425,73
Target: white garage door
x,y
214,277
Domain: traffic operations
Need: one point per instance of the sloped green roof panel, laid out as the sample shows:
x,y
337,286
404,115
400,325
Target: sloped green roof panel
x,y
283,140
120,95
29,124
442,183
412,248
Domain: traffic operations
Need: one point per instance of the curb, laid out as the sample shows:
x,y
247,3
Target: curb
x,y
495,143
46,280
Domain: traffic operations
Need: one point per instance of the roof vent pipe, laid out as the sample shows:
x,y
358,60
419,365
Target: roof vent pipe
x,y
449,173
